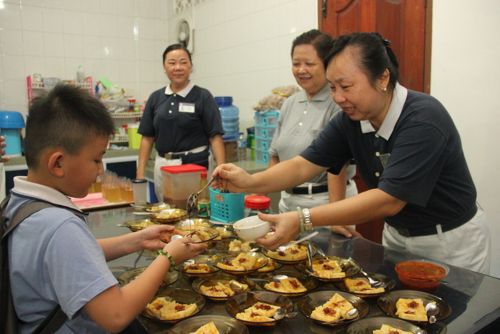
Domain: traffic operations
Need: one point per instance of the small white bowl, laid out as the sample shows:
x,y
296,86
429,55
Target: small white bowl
x,y
251,228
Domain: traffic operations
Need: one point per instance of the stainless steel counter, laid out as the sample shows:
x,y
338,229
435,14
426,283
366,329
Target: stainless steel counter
x,y
473,297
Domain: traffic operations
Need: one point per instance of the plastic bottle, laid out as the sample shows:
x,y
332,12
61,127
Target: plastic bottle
x,y
242,148
229,114
255,204
80,74
203,198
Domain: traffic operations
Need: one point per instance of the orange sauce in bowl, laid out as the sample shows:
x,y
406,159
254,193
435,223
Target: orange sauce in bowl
x,y
419,270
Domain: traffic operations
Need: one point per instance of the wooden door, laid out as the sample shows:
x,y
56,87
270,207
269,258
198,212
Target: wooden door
x,y
407,24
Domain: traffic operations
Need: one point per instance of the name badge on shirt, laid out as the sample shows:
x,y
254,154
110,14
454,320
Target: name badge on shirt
x,y
186,107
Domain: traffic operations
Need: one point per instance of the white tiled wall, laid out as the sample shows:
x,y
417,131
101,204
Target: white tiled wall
x,y
54,37
242,48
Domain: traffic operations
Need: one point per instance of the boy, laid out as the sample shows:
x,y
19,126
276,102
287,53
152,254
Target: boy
x,y
54,258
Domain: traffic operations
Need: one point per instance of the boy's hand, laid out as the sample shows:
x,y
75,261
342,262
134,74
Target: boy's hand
x,y
154,237
182,249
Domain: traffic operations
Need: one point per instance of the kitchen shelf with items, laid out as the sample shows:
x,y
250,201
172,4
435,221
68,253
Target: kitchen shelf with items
x,y
36,84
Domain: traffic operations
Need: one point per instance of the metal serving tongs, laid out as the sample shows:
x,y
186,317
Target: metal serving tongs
x,y
192,201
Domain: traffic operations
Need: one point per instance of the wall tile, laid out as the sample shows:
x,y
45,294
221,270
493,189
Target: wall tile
x,y
93,47
53,44
34,64
33,43
73,46
53,20
73,22
11,42
10,17
92,24
13,68
32,18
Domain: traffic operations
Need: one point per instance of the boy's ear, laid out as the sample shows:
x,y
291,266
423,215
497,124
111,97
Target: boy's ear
x,y
56,163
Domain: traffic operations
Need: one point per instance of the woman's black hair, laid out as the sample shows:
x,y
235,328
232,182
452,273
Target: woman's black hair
x,y
375,54
321,42
173,47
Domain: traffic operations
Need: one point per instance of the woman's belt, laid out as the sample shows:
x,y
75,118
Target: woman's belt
x,y
429,230
176,155
304,190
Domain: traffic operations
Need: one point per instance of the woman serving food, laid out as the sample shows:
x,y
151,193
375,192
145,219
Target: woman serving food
x,y
408,152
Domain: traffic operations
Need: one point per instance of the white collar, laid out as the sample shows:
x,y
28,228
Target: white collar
x,y
398,100
30,189
322,95
184,92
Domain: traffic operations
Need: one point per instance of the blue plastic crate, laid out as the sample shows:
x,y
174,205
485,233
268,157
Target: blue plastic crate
x,y
262,156
262,143
226,207
267,118
265,132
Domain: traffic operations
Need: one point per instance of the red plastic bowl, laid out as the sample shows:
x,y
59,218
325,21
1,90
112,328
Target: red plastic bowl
x,y
420,274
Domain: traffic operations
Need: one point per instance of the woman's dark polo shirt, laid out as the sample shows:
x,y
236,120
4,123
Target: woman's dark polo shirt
x,y
422,163
177,131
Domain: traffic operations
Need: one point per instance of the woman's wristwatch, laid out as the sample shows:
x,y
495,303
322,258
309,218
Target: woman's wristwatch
x,y
168,256
305,219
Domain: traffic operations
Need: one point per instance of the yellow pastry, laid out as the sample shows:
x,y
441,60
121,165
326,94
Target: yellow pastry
x,y
208,328
287,285
411,309
165,309
361,286
291,253
333,310
258,312
386,329
327,268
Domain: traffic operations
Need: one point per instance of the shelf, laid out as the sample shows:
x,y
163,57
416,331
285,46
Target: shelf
x,y
126,115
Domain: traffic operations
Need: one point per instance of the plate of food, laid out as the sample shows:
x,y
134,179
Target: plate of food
x,y
333,308
259,308
360,286
149,207
330,268
199,235
209,324
193,224
130,274
173,305
199,266
383,325
290,254
410,305
219,287
169,216
287,282
271,266
242,264
137,224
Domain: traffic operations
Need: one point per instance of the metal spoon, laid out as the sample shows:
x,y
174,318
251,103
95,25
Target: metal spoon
x,y
432,310
192,200
236,286
279,278
373,282
351,314
283,248
280,314
321,253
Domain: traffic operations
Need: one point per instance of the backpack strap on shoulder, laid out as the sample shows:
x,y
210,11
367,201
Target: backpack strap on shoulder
x,y
57,317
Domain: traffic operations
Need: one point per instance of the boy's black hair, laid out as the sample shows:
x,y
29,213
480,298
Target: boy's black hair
x,y
67,117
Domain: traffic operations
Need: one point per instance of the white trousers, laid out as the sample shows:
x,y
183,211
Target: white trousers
x,y
158,175
290,202
467,246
